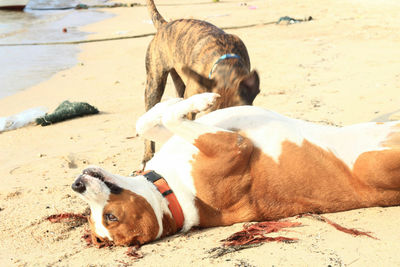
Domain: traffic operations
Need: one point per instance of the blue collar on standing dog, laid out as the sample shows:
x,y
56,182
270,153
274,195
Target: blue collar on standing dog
x,y
220,59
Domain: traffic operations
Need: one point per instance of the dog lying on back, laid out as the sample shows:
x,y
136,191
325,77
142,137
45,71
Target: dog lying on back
x,y
200,58
269,167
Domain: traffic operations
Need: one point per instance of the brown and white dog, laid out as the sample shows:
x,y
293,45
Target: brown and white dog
x,y
200,58
240,164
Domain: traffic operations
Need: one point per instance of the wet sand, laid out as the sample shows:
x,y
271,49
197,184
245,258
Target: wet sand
x,y
341,68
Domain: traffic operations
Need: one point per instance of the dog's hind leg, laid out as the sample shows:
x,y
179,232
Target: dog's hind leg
x,y
379,172
179,85
379,169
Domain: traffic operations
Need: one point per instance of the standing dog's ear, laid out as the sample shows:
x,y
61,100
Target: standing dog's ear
x,y
209,84
249,87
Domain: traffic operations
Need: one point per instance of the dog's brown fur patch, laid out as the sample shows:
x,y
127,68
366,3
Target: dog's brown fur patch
x,y
253,187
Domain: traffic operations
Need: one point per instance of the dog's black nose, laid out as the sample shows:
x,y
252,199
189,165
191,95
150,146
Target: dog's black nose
x,y
78,186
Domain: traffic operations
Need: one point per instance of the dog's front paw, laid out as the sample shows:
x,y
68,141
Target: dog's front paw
x,y
194,104
202,102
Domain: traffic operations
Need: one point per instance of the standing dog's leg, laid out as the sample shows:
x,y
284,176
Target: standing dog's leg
x,y
179,85
155,84
153,94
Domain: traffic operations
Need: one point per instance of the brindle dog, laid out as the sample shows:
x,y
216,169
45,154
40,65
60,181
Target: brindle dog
x,y
200,58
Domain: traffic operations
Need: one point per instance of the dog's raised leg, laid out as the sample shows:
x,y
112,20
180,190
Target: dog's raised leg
x,y
217,145
174,119
149,125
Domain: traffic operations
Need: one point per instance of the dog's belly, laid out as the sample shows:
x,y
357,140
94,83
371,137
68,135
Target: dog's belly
x,y
269,130
279,139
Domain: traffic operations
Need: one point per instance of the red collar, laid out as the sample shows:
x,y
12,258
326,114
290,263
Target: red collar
x,y
167,192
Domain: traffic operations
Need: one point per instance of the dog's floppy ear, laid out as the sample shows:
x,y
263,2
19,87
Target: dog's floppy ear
x,y
250,87
200,79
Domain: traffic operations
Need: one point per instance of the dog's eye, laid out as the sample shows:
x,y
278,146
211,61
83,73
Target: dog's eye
x,y
111,217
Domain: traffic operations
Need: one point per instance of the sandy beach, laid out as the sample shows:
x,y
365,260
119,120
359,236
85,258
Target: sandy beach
x,y
340,68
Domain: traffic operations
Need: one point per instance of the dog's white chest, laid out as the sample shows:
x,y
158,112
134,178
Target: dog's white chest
x,y
174,163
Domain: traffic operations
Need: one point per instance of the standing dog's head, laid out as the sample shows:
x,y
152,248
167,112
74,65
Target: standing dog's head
x,y
235,86
124,210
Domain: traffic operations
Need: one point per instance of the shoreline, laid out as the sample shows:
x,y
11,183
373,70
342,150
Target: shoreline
x,y
29,65
341,68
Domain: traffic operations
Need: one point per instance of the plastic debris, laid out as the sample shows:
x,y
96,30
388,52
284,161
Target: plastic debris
x,y
21,119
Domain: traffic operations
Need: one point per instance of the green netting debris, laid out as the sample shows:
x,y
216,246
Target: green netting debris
x,y
67,110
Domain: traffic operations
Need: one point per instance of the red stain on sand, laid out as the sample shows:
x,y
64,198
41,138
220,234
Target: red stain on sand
x,y
351,231
255,233
134,252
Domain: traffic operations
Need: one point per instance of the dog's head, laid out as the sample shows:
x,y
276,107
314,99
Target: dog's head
x,y
123,209
236,88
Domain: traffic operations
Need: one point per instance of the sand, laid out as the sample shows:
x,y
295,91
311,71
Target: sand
x,y
341,68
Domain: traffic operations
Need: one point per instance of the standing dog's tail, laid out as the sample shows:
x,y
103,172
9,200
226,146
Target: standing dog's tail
x,y
156,17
